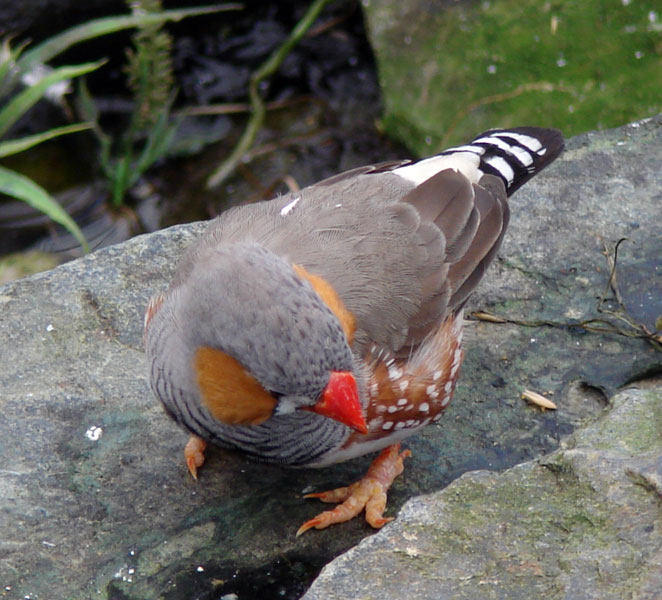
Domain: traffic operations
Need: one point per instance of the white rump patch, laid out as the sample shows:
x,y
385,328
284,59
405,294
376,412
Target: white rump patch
x,y
466,162
289,206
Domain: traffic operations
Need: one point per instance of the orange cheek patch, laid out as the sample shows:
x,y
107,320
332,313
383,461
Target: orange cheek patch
x,y
326,292
230,394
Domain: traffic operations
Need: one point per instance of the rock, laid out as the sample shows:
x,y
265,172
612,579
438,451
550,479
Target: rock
x,y
583,522
95,501
449,69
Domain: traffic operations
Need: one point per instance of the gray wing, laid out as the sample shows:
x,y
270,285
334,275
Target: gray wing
x,y
396,254
401,256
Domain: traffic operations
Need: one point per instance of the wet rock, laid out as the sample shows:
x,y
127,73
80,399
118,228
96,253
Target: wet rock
x,y
95,501
583,522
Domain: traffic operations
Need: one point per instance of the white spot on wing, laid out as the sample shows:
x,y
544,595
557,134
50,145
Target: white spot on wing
x,y
402,401
404,385
289,206
425,407
387,425
436,376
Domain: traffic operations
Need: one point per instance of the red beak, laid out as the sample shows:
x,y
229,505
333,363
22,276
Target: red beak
x,y
340,401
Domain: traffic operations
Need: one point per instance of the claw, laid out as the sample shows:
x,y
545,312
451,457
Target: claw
x,y
194,453
338,495
368,493
316,522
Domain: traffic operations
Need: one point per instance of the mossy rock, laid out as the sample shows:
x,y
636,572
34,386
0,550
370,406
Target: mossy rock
x,y
449,70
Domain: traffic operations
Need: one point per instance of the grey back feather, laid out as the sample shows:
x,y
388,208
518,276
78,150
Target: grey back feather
x,y
401,256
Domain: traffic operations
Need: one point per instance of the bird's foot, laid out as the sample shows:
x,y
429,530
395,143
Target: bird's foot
x,y
369,493
194,453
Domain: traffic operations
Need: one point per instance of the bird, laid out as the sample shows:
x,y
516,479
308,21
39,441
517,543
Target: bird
x,y
327,323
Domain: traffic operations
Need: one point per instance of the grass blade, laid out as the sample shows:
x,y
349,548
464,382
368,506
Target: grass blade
x,y
53,46
16,146
20,187
22,102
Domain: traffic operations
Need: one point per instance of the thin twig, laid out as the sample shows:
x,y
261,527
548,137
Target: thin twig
x,y
597,325
257,104
296,140
611,282
233,108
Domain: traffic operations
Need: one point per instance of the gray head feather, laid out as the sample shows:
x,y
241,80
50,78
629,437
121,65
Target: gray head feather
x,y
249,303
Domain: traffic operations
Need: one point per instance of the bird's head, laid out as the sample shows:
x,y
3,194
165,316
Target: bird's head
x,y
266,338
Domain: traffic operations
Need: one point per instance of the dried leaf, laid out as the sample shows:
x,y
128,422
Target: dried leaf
x,y
538,400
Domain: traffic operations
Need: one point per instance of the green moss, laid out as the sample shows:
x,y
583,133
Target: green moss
x,y
640,430
15,266
552,506
576,65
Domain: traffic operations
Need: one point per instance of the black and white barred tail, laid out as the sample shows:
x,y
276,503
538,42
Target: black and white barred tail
x,y
512,155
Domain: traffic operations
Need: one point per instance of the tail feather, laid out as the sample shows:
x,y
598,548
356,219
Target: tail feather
x,y
514,155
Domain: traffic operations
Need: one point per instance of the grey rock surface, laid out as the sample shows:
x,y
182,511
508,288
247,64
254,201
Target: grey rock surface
x,y
583,522
95,501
